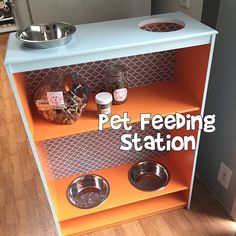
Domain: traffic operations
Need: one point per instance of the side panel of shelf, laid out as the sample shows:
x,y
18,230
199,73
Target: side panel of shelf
x,y
20,83
19,91
184,160
193,70
208,70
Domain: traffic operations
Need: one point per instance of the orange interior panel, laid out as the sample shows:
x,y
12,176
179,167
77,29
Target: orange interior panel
x,y
184,160
191,69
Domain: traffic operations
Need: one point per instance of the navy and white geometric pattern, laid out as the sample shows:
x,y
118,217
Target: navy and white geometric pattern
x,y
91,151
96,150
142,70
162,27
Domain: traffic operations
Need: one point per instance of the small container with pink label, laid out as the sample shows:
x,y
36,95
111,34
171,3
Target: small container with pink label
x,y
116,82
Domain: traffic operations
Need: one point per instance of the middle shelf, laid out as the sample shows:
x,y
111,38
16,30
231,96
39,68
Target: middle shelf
x,y
167,97
121,191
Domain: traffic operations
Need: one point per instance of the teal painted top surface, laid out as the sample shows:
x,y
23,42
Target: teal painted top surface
x,y
105,37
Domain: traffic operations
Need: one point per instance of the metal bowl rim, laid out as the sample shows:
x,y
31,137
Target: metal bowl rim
x,y
42,24
108,190
153,162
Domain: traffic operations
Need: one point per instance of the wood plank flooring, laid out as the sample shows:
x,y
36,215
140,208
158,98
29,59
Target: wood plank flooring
x,y
24,210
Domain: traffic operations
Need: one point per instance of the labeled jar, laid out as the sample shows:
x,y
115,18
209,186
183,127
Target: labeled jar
x,y
104,102
116,82
62,98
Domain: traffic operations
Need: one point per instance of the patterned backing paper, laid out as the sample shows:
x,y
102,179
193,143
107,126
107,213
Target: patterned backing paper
x,y
91,151
142,70
96,150
162,27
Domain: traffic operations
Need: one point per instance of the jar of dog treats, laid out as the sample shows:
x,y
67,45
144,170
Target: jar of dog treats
x,y
116,82
61,98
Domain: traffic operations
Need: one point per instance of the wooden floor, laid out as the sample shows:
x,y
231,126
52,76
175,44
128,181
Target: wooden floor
x,y
24,209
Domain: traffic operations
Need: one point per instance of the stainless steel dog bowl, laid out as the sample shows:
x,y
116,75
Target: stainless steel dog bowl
x,y
148,176
46,35
88,191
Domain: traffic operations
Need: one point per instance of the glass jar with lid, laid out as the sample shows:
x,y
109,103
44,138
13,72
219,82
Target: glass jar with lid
x,y
116,82
62,98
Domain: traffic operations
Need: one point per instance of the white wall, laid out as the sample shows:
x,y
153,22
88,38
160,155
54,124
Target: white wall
x,y
22,12
85,11
78,11
163,6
